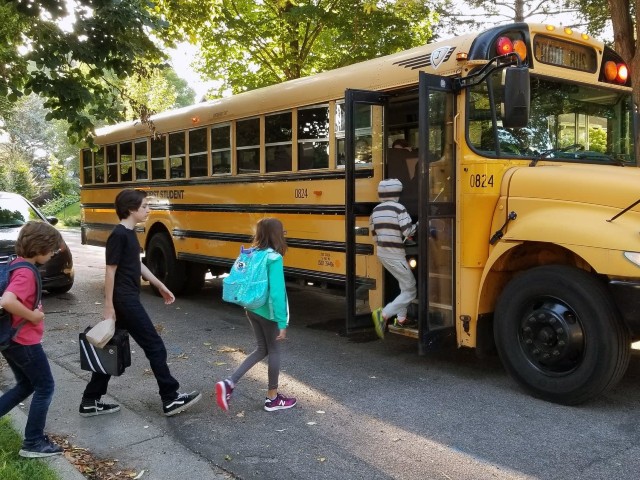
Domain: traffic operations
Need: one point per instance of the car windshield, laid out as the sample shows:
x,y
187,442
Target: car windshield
x,y
568,122
15,211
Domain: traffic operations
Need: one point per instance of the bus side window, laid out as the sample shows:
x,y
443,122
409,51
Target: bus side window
x,y
278,158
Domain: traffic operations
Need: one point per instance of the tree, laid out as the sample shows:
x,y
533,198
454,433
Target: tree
x,y
247,44
491,12
60,181
35,139
162,90
67,65
15,174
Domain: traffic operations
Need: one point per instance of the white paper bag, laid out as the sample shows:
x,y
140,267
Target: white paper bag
x,y
99,335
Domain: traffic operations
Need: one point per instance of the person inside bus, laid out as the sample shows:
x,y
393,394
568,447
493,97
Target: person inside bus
x,y
402,163
363,151
391,226
126,176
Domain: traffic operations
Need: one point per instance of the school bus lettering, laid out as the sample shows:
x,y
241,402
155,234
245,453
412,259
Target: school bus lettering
x,y
170,194
481,180
301,193
325,260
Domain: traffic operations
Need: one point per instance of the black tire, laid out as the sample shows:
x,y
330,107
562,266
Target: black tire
x,y
161,260
194,280
559,335
59,290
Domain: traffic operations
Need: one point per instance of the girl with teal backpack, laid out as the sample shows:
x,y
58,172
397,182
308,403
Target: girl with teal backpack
x,y
268,317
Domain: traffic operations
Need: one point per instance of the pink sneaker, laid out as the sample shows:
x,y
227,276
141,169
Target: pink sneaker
x,y
223,394
279,403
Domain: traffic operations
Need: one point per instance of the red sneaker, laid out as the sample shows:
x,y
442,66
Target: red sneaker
x,y
279,403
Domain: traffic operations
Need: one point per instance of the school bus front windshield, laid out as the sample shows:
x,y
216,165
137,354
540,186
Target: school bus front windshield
x,y
568,122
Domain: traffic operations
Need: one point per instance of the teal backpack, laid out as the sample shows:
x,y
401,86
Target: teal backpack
x,y
248,283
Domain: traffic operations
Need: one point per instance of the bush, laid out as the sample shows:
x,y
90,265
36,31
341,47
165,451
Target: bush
x,y
53,206
72,221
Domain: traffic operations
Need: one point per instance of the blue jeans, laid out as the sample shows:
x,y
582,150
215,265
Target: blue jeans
x,y
33,375
131,316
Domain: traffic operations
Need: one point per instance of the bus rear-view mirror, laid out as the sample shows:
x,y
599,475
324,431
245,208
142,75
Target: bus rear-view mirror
x,y
517,94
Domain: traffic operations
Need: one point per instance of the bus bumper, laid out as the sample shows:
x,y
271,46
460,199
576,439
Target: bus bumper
x,y
627,297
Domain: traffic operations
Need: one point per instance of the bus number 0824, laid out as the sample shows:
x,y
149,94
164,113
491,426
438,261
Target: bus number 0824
x,y
481,181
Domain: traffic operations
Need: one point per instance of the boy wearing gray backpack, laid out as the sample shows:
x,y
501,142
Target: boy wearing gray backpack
x,y
269,321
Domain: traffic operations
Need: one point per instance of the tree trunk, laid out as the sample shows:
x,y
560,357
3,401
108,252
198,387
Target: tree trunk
x,y
627,47
519,11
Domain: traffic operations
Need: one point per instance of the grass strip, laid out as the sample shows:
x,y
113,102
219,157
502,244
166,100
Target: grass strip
x,y
13,466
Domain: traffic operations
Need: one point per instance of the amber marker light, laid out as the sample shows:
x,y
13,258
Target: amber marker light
x,y
550,28
585,36
521,49
568,30
195,120
461,56
610,71
623,73
504,46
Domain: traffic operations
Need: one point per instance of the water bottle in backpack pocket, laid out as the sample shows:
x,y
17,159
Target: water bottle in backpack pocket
x,y
248,282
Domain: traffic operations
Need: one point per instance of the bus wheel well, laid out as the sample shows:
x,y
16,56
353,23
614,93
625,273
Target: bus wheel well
x,y
517,260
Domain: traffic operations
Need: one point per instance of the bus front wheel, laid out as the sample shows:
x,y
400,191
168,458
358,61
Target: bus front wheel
x,y
558,334
162,262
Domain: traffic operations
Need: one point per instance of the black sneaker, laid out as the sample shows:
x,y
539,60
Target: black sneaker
x,y
91,408
44,448
181,403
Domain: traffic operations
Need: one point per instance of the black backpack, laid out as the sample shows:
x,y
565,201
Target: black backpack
x,y
7,330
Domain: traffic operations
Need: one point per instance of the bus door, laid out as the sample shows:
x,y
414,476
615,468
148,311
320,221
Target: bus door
x,y
436,212
364,159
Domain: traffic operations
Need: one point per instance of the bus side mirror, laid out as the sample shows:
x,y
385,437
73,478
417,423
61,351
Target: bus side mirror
x,y
517,94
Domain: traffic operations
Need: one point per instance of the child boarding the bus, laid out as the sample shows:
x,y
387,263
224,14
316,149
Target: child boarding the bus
x,y
269,321
391,226
36,244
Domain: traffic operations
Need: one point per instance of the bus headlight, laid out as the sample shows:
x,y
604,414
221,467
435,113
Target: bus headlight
x,y
633,257
413,262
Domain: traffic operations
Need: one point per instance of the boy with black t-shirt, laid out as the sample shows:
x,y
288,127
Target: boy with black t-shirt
x,y
122,302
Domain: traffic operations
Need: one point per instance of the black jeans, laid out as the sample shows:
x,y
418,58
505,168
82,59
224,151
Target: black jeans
x,y
33,375
131,316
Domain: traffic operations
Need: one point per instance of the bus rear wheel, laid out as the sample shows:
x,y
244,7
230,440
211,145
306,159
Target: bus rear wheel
x,y
559,336
194,280
162,262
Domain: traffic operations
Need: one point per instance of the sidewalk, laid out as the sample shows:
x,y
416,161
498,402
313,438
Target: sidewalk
x,y
125,436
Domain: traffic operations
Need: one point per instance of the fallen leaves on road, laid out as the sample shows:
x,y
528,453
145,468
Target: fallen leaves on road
x,y
229,350
91,467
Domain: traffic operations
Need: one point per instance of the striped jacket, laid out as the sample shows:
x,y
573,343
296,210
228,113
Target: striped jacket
x,y
390,226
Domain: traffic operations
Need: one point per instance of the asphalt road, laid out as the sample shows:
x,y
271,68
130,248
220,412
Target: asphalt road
x,y
366,409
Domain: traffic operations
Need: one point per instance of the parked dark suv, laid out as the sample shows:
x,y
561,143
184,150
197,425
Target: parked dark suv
x,y
15,211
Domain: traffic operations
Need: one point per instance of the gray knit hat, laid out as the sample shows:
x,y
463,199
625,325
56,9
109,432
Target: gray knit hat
x,y
390,188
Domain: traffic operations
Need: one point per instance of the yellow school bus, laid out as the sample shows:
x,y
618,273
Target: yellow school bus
x,y
522,179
